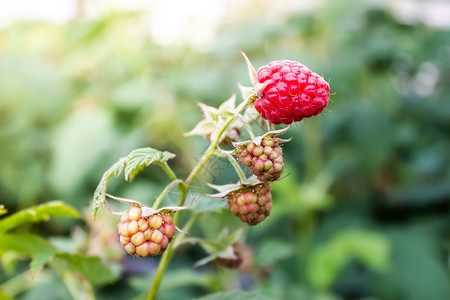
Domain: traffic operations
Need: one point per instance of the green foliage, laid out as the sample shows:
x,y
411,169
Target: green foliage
x,y
362,215
30,245
43,252
181,278
416,263
38,213
326,263
144,157
238,295
91,268
203,204
274,251
132,164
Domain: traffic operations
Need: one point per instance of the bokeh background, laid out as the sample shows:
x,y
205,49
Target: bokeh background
x,y
364,213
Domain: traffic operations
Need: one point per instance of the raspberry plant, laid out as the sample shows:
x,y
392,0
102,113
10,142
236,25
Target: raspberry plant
x,y
283,92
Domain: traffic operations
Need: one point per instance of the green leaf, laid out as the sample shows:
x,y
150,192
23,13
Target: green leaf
x,y
203,204
272,251
38,213
100,192
418,270
236,295
91,268
370,248
176,279
185,277
4,296
144,157
131,165
30,245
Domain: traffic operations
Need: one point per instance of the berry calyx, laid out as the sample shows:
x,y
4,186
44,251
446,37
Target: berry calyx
x,y
290,92
145,235
252,204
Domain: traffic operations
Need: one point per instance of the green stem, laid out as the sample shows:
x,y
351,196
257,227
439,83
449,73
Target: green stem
x,y
181,186
165,191
161,268
168,170
235,165
203,161
184,189
212,147
250,131
247,127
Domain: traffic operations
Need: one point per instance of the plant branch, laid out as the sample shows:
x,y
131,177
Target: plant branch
x,y
247,126
184,188
212,147
168,170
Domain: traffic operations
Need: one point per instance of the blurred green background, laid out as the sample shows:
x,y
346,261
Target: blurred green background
x,y
364,213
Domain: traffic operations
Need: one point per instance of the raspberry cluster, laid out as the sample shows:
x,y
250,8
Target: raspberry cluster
x,y
265,160
143,236
292,93
251,205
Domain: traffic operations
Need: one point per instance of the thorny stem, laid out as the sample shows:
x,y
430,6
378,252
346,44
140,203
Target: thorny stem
x,y
184,189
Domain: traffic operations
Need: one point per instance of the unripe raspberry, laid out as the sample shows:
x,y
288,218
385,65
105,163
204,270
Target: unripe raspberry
x,y
251,205
144,236
265,160
292,92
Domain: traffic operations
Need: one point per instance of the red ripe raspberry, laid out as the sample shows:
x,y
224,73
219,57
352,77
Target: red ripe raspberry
x,y
293,92
251,205
265,160
144,236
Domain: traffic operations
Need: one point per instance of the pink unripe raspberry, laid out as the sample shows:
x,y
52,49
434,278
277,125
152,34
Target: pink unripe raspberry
x,y
144,236
292,93
251,205
265,160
